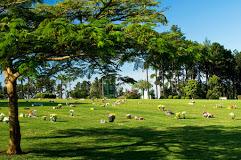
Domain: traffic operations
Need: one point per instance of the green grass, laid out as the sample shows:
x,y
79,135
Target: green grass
x,y
157,137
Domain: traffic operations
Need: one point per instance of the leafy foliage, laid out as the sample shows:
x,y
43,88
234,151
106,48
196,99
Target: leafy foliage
x,y
133,94
45,95
192,89
214,91
81,90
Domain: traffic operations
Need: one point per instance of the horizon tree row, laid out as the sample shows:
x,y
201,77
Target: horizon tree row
x,y
178,62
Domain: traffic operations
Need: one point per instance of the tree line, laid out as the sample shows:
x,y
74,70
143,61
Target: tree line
x,y
188,69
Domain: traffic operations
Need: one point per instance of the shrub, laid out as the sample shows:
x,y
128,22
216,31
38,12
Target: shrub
x,y
214,84
132,94
192,89
214,93
176,97
170,97
45,95
162,97
239,97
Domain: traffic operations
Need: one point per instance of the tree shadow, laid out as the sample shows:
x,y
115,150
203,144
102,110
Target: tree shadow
x,y
189,142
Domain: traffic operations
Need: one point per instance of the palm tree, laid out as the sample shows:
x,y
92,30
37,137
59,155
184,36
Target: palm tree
x,y
142,85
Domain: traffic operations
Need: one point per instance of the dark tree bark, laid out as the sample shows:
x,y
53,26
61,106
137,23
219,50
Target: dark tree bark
x,y
14,127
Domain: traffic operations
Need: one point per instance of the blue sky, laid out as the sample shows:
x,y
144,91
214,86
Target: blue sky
x,y
216,20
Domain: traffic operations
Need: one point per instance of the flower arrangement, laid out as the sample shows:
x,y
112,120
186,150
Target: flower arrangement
x,y
22,115
181,115
232,106
232,115
71,105
44,118
6,119
102,121
178,115
2,115
161,107
71,112
184,114
128,116
208,115
53,117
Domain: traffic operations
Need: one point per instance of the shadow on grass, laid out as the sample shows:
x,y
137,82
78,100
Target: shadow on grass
x,y
211,142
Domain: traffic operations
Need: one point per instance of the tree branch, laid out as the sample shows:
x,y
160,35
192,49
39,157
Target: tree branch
x,y
13,3
58,58
103,9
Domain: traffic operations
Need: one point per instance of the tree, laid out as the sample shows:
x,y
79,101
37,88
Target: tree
x,y
81,90
192,89
214,84
237,56
142,85
32,36
96,89
63,83
45,84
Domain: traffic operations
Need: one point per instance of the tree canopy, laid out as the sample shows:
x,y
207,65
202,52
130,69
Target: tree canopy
x,y
77,33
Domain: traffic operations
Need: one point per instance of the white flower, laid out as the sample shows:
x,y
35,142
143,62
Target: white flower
x,y
2,117
232,115
71,112
53,117
44,118
6,119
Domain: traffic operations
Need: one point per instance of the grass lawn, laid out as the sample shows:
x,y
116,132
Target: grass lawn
x,y
157,137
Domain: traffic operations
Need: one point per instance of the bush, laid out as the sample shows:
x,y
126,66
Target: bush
x,y
132,94
176,97
192,89
214,84
45,95
239,97
170,97
162,97
214,93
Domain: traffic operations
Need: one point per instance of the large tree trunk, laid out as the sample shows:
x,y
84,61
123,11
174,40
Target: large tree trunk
x,y
14,127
